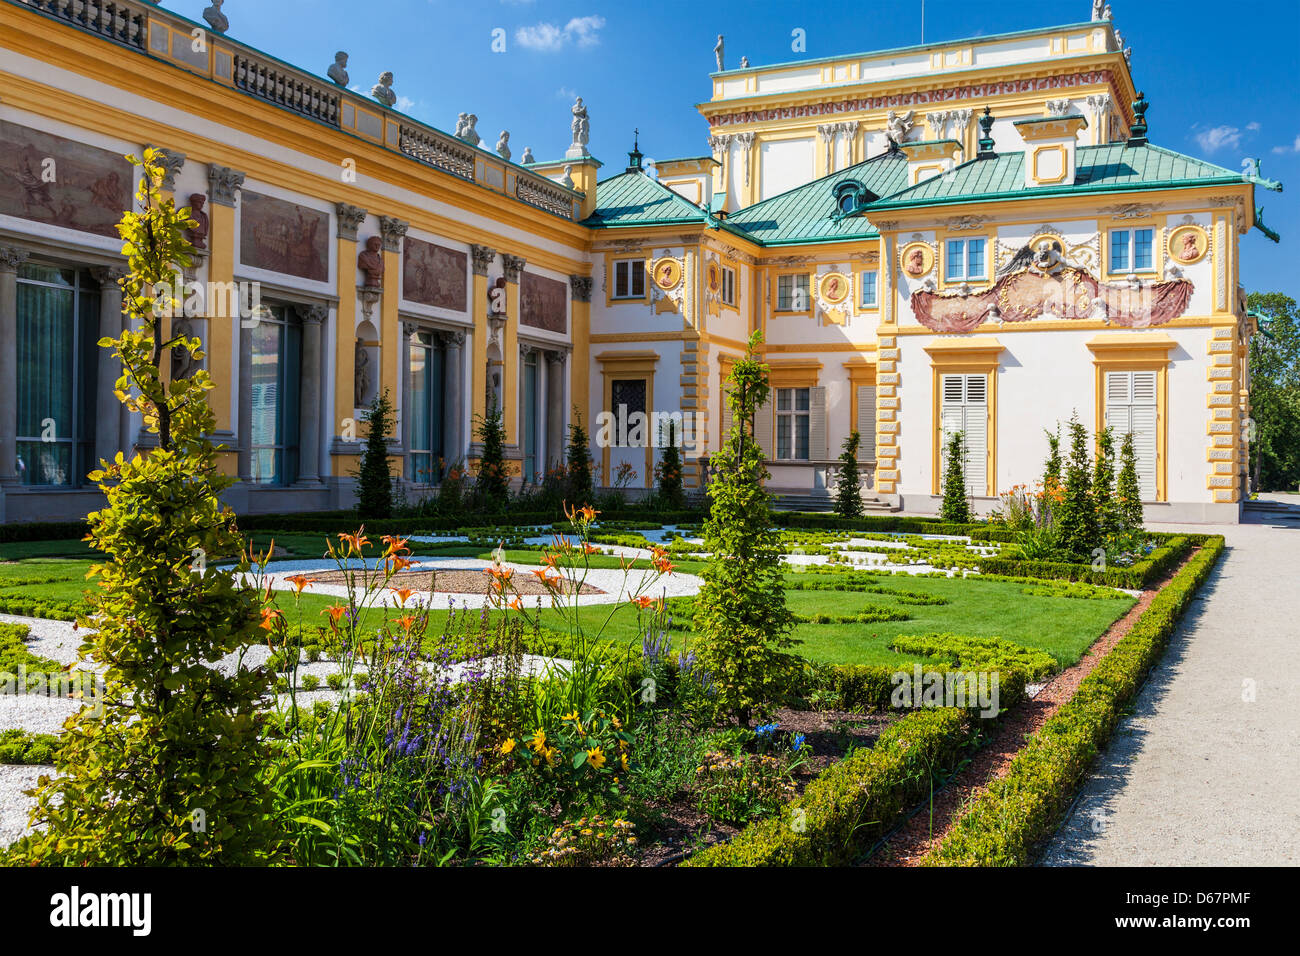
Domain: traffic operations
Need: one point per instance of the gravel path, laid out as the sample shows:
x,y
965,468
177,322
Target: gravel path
x,y
1204,771
14,805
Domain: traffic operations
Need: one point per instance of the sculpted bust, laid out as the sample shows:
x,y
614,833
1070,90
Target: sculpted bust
x,y
198,236
338,71
383,90
216,19
371,263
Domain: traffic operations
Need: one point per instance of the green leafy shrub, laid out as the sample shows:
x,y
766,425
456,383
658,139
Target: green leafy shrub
x,y
671,494
1075,520
848,485
176,741
1128,493
579,490
492,484
22,747
740,614
977,653
375,477
955,506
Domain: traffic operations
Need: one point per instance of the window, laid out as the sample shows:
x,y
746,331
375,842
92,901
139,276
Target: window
x,y
866,422
57,356
792,293
793,423
966,409
528,401
628,398
1132,250
629,279
728,286
869,289
424,431
964,260
277,362
1131,407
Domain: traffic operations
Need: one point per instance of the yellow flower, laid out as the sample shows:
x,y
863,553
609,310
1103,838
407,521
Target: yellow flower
x,y
552,756
573,717
596,757
508,745
623,760
539,740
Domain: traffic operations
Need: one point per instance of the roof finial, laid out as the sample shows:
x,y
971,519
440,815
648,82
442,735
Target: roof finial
x,y
1137,133
986,135
634,157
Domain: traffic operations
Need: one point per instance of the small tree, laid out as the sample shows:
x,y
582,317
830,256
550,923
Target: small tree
x,y
955,506
1076,513
167,765
1052,467
1103,484
375,478
1128,493
740,614
848,491
670,472
492,487
578,488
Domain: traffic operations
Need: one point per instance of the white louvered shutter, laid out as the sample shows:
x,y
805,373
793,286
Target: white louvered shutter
x,y
1131,407
965,409
763,425
817,424
867,422
724,417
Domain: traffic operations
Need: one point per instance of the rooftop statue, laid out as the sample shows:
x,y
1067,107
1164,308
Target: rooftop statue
x,y
503,145
718,49
338,71
383,90
216,19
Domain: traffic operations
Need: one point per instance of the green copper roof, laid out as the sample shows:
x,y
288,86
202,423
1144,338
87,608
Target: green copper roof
x,y
808,213
635,199
1110,168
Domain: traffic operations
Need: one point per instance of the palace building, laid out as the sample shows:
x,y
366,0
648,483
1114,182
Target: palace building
x,y
974,235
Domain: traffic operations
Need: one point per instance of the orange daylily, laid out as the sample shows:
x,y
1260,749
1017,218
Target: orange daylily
x,y
588,513
395,544
335,611
355,542
300,581
269,616
642,602
591,549
406,621
516,605
394,564
402,593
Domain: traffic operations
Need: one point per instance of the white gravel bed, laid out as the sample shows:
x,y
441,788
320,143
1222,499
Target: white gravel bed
x,y
53,639
15,805
36,714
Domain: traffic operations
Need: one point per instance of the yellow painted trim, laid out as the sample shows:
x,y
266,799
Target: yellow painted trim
x,y
345,323
1058,148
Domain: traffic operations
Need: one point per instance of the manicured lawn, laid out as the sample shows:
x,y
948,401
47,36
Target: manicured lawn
x,y
1063,627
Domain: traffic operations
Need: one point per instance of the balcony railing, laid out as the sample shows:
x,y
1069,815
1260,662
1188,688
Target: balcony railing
x,y
265,78
113,20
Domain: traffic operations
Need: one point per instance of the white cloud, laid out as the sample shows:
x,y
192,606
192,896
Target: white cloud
x,y
1253,127
1293,148
564,93
551,38
405,103
1219,137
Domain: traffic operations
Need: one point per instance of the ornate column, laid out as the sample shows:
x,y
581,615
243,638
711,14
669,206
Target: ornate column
x,y
453,397
554,451
482,257
350,219
390,334
309,430
226,346
244,454
514,269
108,435
11,258
580,360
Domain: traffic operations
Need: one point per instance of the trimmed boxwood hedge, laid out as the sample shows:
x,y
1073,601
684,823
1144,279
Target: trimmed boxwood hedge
x,y
43,531
22,747
854,801
1138,576
1006,824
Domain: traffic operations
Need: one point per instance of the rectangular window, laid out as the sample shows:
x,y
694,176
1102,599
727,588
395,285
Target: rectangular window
x,y
629,279
424,429
793,423
628,398
528,399
869,289
277,364
58,360
965,409
964,260
1132,250
728,286
1131,406
792,293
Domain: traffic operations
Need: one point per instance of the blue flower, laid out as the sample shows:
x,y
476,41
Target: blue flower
x,y
797,744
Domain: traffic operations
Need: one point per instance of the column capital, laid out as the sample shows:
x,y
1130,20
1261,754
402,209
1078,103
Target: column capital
x,y
514,266
350,220
557,357
312,314
483,257
581,286
171,161
11,257
409,329
108,276
223,183
393,231
450,339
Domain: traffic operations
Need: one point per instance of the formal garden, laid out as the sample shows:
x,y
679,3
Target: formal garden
x,y
556,677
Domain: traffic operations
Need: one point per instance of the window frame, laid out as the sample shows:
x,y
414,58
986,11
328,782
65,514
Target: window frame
x,y
965,277
794,277
288,420
633,267
874,304
727,283
792,415
1131,231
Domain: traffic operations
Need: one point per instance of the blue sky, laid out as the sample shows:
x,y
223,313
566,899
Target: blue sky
x,y
1221,77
